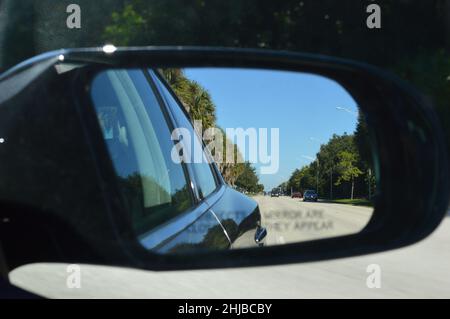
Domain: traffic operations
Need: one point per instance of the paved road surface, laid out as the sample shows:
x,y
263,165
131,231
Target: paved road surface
x,y
421,270
291,220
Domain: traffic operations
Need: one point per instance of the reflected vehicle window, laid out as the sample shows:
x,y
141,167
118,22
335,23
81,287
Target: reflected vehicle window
x,y
138,140
206,182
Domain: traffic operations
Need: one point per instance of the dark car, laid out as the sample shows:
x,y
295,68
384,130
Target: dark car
x,y
296,195
276,192
310,195
127,116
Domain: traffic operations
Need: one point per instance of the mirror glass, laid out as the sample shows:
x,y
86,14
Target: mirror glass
x,y
229,158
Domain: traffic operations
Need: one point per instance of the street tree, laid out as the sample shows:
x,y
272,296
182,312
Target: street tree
x,y
348,169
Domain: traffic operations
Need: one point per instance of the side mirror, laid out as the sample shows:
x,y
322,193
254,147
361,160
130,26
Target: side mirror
x,y
183,158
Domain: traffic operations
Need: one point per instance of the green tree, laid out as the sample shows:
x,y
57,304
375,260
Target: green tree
x,y
302,179
124,25
248,180
335,163
195,99
363,144
328,159
348,169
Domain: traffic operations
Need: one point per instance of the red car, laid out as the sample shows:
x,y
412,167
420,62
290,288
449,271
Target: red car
x,y
296,195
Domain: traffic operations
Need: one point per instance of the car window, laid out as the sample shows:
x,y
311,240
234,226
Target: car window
x,y
205,179
137,136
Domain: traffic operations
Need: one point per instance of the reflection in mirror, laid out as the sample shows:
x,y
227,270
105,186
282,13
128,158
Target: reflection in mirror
x,y
292,148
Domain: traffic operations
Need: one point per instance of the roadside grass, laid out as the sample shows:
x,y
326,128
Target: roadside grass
x,y
354,202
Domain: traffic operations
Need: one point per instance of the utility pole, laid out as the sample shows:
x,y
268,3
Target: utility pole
x,y
370,182
317,178
331,183
353,187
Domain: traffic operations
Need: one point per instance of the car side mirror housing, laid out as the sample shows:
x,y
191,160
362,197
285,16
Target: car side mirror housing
x,y
70,194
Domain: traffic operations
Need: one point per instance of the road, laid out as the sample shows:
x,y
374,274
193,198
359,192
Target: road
x,y
291,220
418,271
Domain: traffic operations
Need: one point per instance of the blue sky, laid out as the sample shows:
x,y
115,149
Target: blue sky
x,y
303,106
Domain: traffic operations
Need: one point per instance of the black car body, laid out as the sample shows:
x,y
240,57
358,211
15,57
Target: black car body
x,y
310,195
51,156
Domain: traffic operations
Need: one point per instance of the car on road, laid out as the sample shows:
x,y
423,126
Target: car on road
x,y
310,195
296,195
276,192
